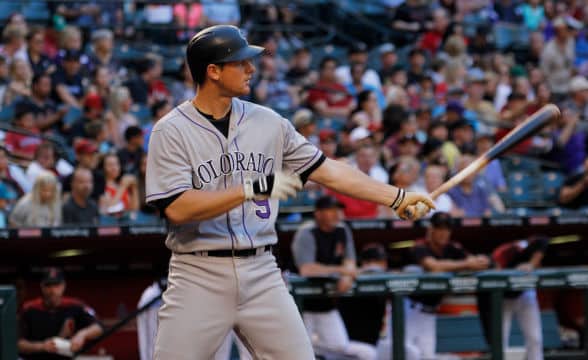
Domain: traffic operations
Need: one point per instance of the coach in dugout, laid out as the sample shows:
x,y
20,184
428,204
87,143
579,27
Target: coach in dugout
x,y
436,253
53,326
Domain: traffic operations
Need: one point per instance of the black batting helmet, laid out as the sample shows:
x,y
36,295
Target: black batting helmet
x,y
216,45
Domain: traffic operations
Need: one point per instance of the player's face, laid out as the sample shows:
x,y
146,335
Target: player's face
x,y
235,77
52,294
440,236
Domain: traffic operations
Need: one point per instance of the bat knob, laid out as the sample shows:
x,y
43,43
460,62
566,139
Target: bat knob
x,y
415,212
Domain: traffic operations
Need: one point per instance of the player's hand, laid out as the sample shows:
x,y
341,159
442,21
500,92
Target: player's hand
x,y
478,262
415,206
277,186
49,346
344,284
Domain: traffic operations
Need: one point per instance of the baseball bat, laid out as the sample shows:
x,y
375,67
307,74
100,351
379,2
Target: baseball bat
x,y
527,128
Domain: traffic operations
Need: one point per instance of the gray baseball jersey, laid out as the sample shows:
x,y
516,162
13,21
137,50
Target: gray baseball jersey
x,y
186,152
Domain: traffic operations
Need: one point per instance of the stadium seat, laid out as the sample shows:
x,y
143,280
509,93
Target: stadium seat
x,y
7,113
142,113
9,7
552,182
36,11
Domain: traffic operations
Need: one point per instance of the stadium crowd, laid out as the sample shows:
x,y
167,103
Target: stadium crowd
x,y
409,112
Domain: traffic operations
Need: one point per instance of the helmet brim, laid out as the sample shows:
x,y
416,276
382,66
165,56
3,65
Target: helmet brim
x,y
248,52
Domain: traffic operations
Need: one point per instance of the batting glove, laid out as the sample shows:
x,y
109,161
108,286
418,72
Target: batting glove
x,y
277,186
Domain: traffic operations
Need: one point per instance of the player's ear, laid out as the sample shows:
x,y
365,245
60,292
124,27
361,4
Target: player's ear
x,y
213,71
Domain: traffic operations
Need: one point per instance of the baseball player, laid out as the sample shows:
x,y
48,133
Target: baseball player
x,y
217,167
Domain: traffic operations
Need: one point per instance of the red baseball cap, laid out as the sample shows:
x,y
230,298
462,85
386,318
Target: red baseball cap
x,y
85,147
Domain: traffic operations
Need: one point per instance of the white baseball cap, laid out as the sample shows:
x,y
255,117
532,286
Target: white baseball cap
x,y
578,83
359,133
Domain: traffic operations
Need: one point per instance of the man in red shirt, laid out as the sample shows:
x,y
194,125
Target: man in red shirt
x,y
329,98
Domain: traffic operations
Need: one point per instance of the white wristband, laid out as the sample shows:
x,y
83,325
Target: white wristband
x,y
248,189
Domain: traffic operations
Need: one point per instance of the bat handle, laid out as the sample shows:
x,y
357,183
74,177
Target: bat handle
x,y
417,211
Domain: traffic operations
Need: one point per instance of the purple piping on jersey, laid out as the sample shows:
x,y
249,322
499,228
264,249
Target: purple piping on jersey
x,y
167,192
309,161
243,204
242,116
231,233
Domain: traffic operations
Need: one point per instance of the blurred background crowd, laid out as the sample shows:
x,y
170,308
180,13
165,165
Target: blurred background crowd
x,y
408,91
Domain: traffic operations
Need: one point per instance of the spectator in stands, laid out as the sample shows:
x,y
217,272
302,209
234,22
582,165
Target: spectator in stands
x,y
578,100
225,12
130,155
406,173
52,319
101,83
145,86
39,62
574,193
432,40
411,18
158,109
157,88
364,316
525,255
434,176
68,80
328,143
19,144
188,18
47,114
368,113
3,79
321,248
358,54
120,192
471,196
299,71
416,66
463,135
533,16
13,43
305,123
328,98
557,59
80,208
41,207
408,145
12,176
7,201
435,253
76,128
81,13
119,116
366,160
475,102
70,39
86,153
388,60
46,159
183,88
569,142
507,11
492,174
102,52
273,91
19,86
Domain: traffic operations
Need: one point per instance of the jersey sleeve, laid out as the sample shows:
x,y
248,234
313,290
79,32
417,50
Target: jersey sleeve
x,y
84,317
304,247
300,156
168,169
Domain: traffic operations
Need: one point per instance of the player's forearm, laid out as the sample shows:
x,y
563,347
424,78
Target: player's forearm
x,y
569,193
347,180
90,332
30,347
316,269
195,205
445,265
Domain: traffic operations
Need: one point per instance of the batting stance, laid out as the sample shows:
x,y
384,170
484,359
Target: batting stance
x,y
216,168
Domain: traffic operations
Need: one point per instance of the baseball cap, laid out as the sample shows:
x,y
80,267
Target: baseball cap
x,y
302,118
52,276
357,48
71,54
327,135
93,101
387,48
476,75
327,202
441,219
359,133
455,106
84,146
578,83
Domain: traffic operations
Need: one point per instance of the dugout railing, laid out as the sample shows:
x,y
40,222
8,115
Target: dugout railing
x,y
495,282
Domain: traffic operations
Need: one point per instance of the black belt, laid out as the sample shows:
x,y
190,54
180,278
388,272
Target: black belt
x,y
234,252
